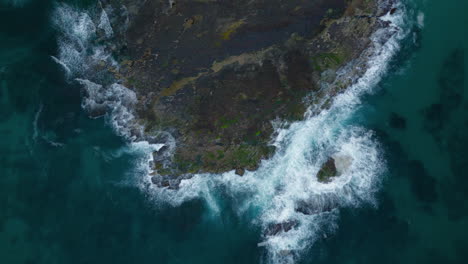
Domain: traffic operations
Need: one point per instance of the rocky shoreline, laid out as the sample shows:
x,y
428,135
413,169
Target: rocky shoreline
x,y
216,87
212,78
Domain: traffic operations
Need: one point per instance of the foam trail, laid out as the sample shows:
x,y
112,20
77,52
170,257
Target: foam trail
x,y
64,66
420,19
35,122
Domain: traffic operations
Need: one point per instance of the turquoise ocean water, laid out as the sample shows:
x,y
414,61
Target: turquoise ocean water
x,y
67,192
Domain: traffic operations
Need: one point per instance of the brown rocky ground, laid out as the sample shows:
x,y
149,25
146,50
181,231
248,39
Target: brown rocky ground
x,y
216,73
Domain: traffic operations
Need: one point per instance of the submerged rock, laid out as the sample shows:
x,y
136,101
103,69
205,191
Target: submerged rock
x,y
275,229
397,121
311,207
240,172
98,111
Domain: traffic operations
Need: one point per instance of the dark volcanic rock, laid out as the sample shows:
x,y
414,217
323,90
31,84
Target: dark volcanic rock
x,y
240,172
327,172
312,207
274,229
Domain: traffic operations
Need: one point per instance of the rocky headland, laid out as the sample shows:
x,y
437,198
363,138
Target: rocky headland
x,y
215,76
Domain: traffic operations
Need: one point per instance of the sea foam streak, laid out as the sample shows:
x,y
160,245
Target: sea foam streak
x,y
284,190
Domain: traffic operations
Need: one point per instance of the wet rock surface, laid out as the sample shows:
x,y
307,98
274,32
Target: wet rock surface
x,y
275,229
328,171
311,207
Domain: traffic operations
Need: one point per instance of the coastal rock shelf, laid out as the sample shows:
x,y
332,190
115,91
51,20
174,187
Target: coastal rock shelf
x,y
218,76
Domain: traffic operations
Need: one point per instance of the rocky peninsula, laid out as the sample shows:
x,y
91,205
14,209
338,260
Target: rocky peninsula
x,y
217,75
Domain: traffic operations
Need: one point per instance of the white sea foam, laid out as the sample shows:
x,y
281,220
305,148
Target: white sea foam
x,y
117,102
77,28
64,66
78,55
284,189
50,137
105,25
420,19
81,57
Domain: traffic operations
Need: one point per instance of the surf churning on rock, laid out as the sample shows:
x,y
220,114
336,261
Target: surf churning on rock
x,y
293,208
285,198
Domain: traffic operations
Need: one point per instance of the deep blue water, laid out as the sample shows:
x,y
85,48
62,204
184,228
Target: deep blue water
x,y
66,196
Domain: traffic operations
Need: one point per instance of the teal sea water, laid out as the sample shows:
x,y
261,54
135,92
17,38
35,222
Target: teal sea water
x,y
67,192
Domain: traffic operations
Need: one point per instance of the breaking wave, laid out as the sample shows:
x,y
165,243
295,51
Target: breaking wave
x,y
88,63
293,208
